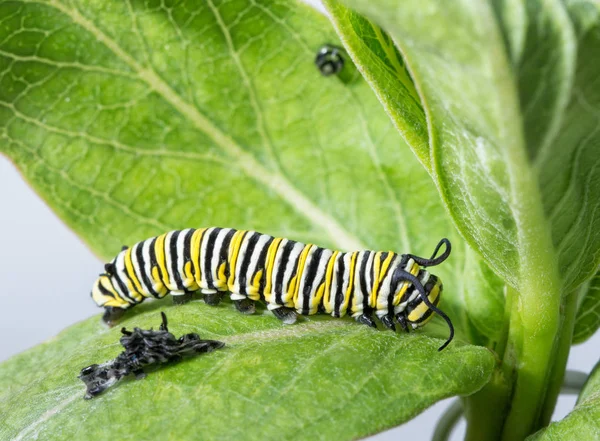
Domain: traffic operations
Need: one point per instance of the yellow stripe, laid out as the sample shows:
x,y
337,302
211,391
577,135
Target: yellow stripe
x,y
159,286
253,291
190,282
159,250
195,253
384,268
221,281
328,279
270,264
234,250
376,265
422,308
131,272
350,284
314,304
298,276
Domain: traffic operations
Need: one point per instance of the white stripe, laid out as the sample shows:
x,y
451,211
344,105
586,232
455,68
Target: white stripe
x,y
276,268
180,256
260,244
215,261
357,303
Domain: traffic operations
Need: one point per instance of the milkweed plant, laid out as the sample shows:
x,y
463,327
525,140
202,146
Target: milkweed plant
x,y
478,121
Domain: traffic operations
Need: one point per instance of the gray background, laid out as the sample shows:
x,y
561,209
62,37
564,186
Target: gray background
x,y
46,273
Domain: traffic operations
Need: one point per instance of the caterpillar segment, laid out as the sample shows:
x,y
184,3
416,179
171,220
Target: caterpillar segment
x,y
292,278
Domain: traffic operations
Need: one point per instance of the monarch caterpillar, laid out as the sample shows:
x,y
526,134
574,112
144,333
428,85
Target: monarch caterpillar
x,y
289,276
143,348
329,60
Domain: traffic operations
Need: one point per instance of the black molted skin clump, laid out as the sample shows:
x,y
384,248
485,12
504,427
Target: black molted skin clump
x,y
143,348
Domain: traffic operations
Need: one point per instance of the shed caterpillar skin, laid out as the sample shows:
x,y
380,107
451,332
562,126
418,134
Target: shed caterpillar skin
x,y
290,277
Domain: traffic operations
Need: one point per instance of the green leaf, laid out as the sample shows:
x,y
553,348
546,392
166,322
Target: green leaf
x,y
131,119
322,378
588,313
511,101
583,422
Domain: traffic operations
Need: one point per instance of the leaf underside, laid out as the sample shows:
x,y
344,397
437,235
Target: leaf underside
x,y
321,378
588,313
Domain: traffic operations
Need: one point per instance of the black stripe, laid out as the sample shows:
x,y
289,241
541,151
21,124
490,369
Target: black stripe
x,y
339,295
154,263
261,265
246,262
174,254
224,252
363,279
210,247
309,279
285,255
351,283
145,279
105,291
187,249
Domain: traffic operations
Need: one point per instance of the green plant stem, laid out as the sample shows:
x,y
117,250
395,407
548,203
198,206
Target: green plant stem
x,y
531,352
485,410
557,374
446,424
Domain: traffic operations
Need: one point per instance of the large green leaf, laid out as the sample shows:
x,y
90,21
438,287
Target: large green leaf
x,y
510,95
583,423
320,379
131,119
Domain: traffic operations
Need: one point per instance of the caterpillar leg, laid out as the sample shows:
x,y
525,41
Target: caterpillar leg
x,y
213,299
181,299
388,322
245,306
286,315
403,323
112,315
366,319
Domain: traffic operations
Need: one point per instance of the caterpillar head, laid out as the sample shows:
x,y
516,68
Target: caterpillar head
x,y
423,294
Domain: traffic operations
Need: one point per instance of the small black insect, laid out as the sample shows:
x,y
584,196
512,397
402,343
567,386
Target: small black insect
x,y
329,60
143,348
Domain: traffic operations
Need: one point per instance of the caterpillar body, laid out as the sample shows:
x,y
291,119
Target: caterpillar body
x,y
290,277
